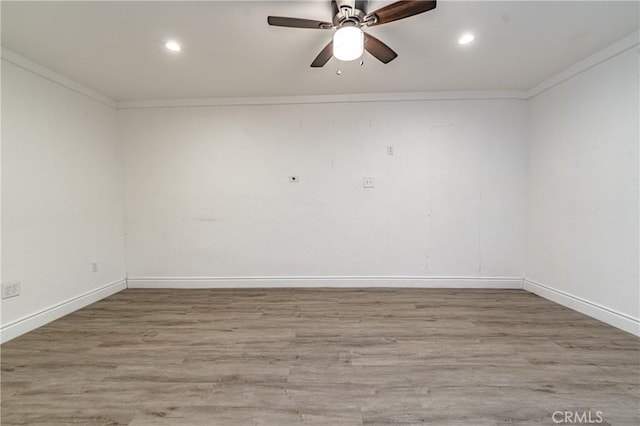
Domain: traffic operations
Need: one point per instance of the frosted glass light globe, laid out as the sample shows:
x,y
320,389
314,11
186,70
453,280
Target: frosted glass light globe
x,y
348,43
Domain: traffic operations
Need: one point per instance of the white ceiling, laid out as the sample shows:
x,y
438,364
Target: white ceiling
x,y
116,48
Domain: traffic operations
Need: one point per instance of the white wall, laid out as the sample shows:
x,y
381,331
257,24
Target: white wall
x,y
582,245
62,198
207,195
207,191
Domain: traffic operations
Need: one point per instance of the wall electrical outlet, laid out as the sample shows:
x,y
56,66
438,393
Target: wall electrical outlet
x,y
10,289
390,150
368,182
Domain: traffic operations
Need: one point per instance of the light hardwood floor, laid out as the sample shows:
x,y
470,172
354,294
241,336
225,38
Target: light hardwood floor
x,y
320,356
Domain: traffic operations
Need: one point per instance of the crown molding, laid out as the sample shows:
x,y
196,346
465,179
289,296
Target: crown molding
x,y
620,46
325,99
26,64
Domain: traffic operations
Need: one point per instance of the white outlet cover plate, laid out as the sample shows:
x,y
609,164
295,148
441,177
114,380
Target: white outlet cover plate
x,y
368,182
10,289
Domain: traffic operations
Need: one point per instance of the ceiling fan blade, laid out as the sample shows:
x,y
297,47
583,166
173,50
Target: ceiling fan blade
x,y
282,21
324,56
381,51
400,10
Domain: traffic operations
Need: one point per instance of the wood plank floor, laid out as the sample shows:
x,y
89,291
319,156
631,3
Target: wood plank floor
x,y
320,356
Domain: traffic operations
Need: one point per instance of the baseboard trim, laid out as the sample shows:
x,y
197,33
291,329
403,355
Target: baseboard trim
x,y
594,310
329,281
31,322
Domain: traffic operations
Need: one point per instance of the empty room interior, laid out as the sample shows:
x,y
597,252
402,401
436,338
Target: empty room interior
x,y
320,212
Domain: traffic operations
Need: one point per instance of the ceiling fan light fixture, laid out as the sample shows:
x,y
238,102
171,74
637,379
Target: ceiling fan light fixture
x,y
348,43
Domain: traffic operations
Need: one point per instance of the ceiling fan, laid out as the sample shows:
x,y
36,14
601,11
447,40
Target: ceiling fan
x,y
349,18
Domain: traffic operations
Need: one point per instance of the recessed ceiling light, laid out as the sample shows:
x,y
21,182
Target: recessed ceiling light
x,y
466,38
173,46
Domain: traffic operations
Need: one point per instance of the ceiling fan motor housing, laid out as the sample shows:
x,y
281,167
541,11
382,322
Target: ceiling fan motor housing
x,y
348,12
